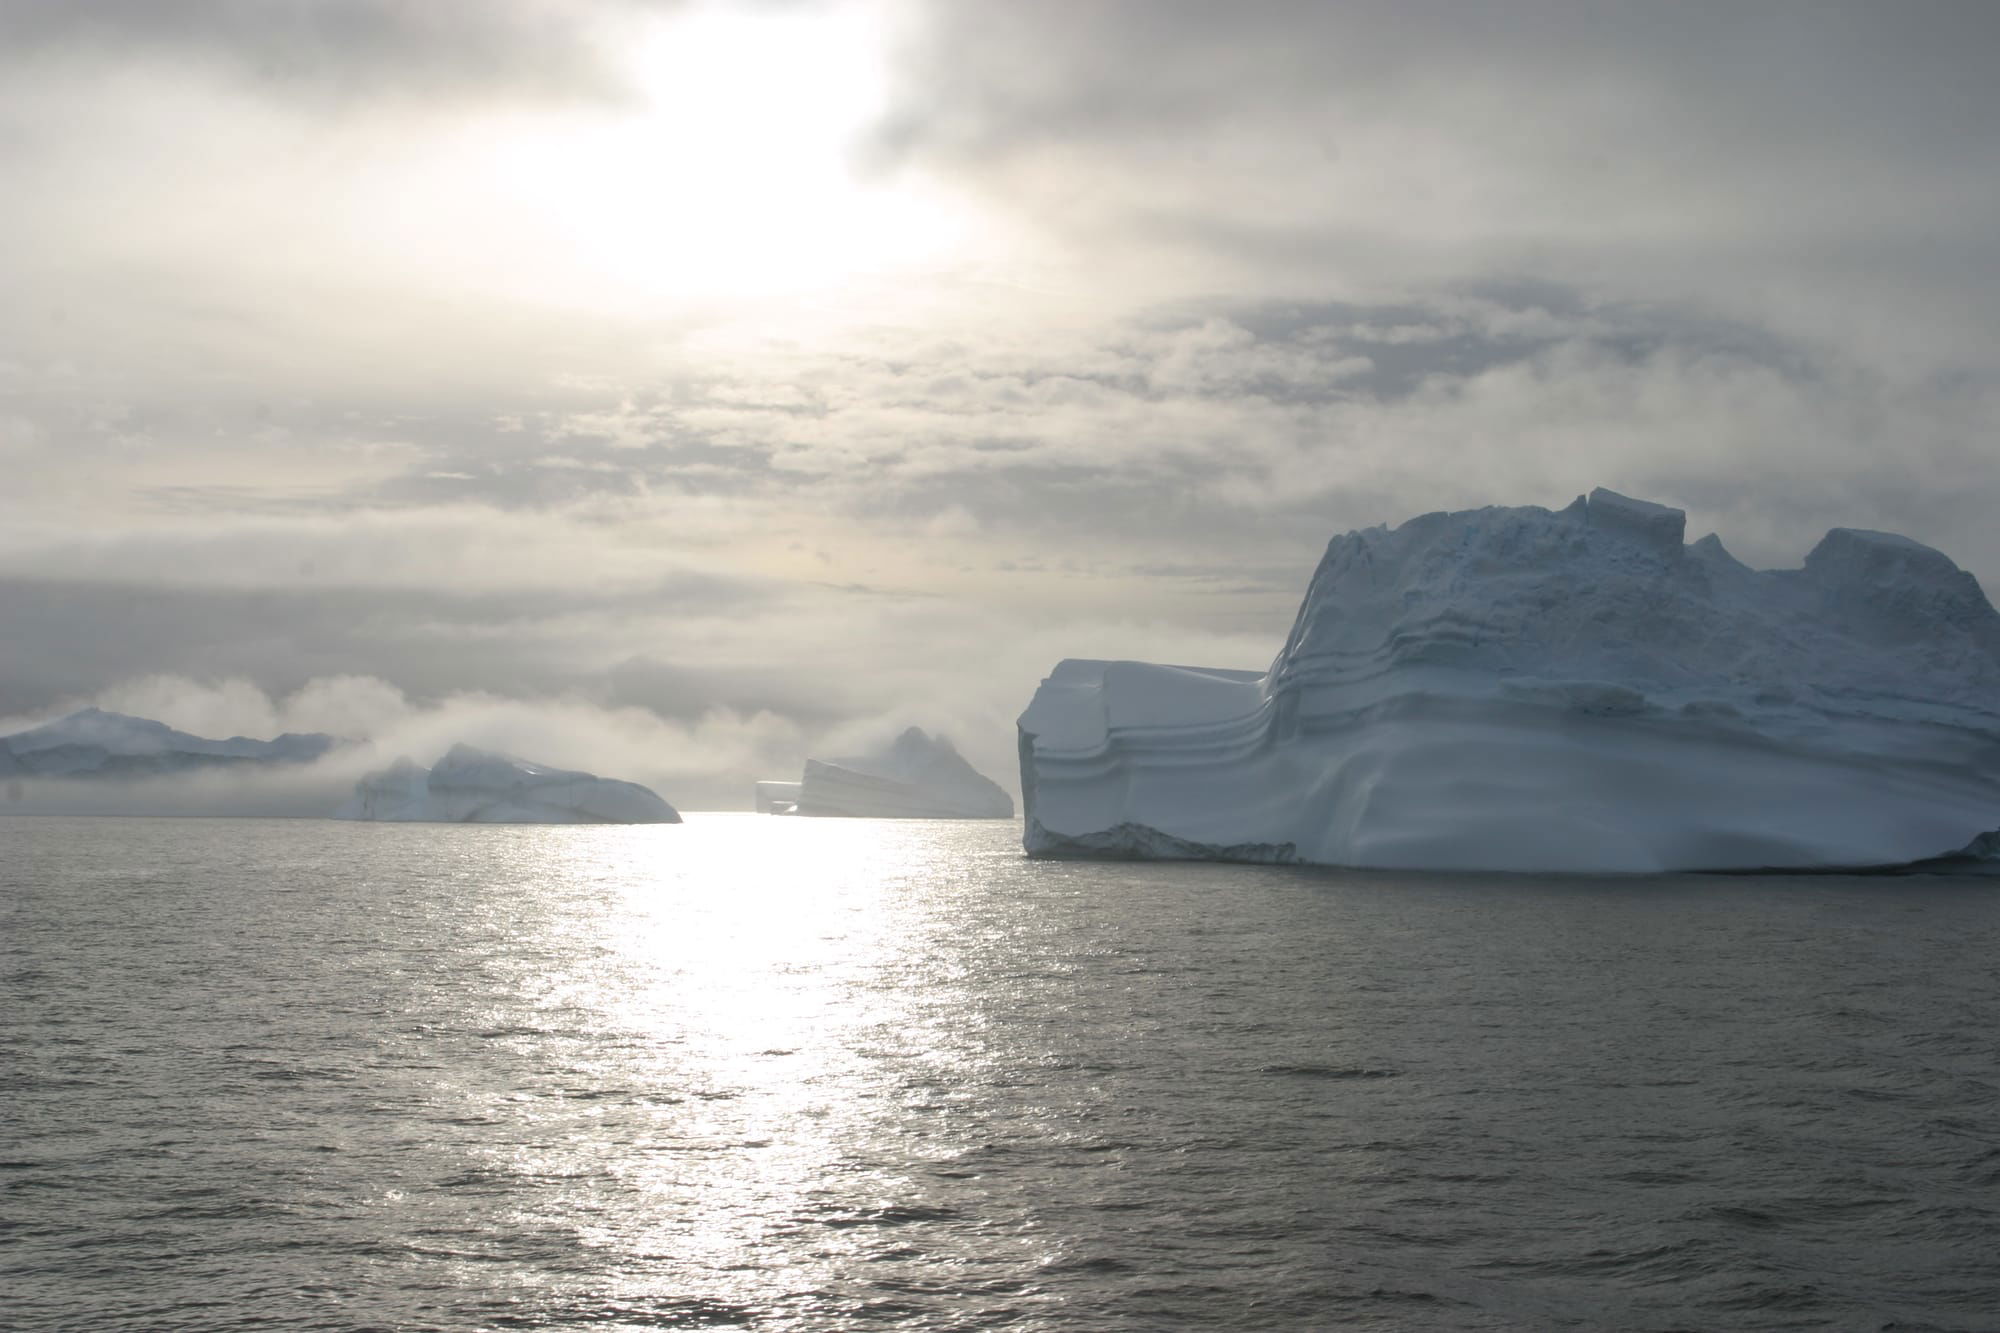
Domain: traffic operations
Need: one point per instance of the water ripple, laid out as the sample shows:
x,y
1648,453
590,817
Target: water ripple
x,y
804,1075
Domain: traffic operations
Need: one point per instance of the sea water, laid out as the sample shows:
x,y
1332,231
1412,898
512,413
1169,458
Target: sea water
x,y
851,1074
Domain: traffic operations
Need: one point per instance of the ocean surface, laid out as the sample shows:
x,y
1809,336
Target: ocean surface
x,y
829,1075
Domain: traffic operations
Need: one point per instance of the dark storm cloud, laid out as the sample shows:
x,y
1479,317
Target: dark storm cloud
x,y
360,49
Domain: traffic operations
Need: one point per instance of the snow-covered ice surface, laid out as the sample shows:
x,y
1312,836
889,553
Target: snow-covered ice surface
x,y
470,786
93,743
919,776
1526,690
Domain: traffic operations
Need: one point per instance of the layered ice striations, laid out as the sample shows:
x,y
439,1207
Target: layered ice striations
x,y
919,776
1527,690
470,786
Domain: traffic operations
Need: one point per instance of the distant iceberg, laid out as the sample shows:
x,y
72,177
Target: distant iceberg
x,y
470,786
94,744
1527,690
919,776
776,798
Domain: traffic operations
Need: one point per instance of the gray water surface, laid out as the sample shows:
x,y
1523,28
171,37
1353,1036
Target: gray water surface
x,y
805,1075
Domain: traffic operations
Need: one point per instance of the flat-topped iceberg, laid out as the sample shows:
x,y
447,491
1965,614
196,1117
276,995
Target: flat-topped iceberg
x,y
470,786
1527,690
918,776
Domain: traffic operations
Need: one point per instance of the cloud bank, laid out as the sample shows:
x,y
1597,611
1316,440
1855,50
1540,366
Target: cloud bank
x,y
310,376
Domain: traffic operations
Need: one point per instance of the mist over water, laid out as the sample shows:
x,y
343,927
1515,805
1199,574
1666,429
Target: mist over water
x,y
801,1074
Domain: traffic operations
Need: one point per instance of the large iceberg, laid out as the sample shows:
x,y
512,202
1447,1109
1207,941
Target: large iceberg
x,y
92,743
470,786
1527,690
918,776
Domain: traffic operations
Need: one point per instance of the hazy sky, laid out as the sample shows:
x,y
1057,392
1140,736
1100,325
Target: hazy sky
x,y
673,389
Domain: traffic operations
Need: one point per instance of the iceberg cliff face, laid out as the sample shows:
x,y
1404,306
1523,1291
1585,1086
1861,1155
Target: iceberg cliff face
x,y
470,786
1527,690
917,777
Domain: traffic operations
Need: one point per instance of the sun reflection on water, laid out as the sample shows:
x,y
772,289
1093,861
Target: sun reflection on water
x,y
747,1010
809,1075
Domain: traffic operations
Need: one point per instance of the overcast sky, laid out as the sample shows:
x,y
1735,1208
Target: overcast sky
x,y
679,389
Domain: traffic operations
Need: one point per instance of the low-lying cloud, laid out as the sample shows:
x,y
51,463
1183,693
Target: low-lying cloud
x,y
699,762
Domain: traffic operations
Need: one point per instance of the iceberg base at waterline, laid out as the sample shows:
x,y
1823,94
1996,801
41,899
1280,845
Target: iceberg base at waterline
x,y
1528,690
471,786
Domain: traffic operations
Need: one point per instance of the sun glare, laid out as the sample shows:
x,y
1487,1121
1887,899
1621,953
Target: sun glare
x,y
736,178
